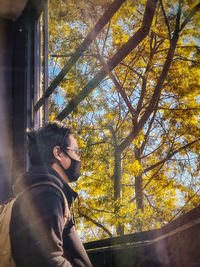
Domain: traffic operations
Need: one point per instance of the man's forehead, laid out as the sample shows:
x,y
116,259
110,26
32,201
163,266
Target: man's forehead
x,y
72,141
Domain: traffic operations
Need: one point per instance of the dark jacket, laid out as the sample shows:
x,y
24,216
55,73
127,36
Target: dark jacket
x,y
36,229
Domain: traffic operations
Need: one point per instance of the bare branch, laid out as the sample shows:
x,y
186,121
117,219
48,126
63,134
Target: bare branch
x,y
151,205
184,205
179,46
115,60
170,155
166,20
179,109
178,17
119,89
96,223
157,91
186,59
144,80
71,54
117,84
132,69
148,132
148,181
106,36
155,173
144,156
191,14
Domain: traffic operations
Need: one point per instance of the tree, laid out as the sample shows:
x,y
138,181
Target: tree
x,y
140,128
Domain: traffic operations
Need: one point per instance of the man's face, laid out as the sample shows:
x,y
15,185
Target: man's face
x,y
72,150
68,163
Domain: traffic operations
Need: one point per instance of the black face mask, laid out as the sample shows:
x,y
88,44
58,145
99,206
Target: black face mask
x,y
74,171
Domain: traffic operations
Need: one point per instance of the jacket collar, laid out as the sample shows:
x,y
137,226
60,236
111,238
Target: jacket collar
x,y
38,174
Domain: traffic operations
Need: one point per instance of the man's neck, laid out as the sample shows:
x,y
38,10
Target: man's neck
x,y
60,171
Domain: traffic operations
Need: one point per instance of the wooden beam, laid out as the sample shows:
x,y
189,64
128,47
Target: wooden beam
x,y
115,60
112,9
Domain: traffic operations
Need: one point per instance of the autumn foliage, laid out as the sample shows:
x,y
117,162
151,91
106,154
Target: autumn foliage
x,y
139,127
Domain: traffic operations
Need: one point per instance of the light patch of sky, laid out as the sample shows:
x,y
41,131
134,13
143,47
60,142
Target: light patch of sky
x,y
59,99
81,26
58,95
54,69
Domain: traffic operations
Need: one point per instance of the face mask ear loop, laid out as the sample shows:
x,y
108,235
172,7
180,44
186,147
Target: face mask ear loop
x,y
67,154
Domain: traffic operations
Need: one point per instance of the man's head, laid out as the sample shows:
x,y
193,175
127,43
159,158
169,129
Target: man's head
x,y
54,146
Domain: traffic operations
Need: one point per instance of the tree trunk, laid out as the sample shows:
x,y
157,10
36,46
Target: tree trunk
x,y
118,190
138,184
139,191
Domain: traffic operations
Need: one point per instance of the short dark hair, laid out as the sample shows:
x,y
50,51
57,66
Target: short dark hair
x,y
42,141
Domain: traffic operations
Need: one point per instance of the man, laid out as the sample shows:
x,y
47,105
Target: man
x,y
40,234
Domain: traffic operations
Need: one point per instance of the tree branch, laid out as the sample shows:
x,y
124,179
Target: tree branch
x,y
144,80
166,20
119,88
191,14
179,109
148,182
96,223
115,60
151,205
170,155
148,132
184,205
148,154
179,46
153,176
117,84
158,88
132,69
186,59
157,91
178,17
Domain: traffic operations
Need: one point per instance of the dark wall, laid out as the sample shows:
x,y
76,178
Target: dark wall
x,y
13,83
174,245
23,35
5,108
16,87
19,79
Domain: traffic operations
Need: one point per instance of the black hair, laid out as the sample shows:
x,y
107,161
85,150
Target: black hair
x,y
42,141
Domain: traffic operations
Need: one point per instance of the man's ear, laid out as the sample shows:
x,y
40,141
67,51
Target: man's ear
x,y
57,152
